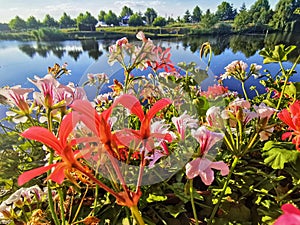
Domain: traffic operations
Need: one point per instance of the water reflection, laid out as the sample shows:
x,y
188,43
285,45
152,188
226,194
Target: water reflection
x,y
58,49
247,44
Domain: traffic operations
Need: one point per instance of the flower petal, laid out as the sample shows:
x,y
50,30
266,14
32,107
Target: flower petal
x,y
159,105
44,136
28,175
132,103
220,165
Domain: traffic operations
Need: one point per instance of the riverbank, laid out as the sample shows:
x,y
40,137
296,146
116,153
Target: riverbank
x,y
45,34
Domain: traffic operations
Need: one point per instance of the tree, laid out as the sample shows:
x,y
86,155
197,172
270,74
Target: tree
x,y
150,15
17,23
136,20
242,20
86,21
159,22
284,14
225,11
208,20
187,17
49,21
32,23
126,11
101,15
260,12
111,18
197,13
66,21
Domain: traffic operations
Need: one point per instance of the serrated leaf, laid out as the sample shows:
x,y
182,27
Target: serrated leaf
x,y
278,153
156,198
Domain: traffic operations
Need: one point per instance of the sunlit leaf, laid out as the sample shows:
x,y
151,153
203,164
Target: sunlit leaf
x,y
277,154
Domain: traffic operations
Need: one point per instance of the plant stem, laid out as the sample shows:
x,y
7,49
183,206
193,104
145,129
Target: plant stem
x,y
244,90
50,198
280,198
61,206
235,161
193,202
137,215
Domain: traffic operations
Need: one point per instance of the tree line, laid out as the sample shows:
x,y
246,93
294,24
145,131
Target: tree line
x,y
285,15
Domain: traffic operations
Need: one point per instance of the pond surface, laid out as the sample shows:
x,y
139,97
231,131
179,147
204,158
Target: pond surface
x,y
19,60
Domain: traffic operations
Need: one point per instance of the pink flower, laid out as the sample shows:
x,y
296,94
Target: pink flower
x,y
203,167
213,117
215,91
264,111
206,138
184,121
52,92
17,96
291,215
292,118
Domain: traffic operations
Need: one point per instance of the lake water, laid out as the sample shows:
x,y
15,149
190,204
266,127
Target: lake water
x,y
19,60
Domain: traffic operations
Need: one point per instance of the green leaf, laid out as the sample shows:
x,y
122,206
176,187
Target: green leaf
x,y
278,153
279,54
156,198
291,90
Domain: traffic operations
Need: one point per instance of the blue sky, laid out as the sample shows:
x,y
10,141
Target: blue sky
x,y
39,8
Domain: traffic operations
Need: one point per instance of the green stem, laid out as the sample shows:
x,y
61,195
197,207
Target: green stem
x,y
280,198
193,202
137,215
244,90
61,206
49,183
235,161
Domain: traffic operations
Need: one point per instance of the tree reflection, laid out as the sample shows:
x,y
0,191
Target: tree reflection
x,y
247,44
92,47
75,54
28,50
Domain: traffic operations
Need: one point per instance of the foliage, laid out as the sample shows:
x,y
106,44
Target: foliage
x,y
284,14
86,20
208,20
225,11
126,11
187,18
111,18
150,15
17,24
159,21
197,13
49,21
135,20
49,34
66,21
33,23
242,20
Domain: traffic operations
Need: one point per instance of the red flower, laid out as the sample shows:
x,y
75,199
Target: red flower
x,y
291,117
291,215
62,147
144,133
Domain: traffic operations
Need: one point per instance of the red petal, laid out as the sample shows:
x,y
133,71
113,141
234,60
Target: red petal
x,y
44,136
28,175
285,116
132,103
289,208
66,127
58,175
286,135
159,105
